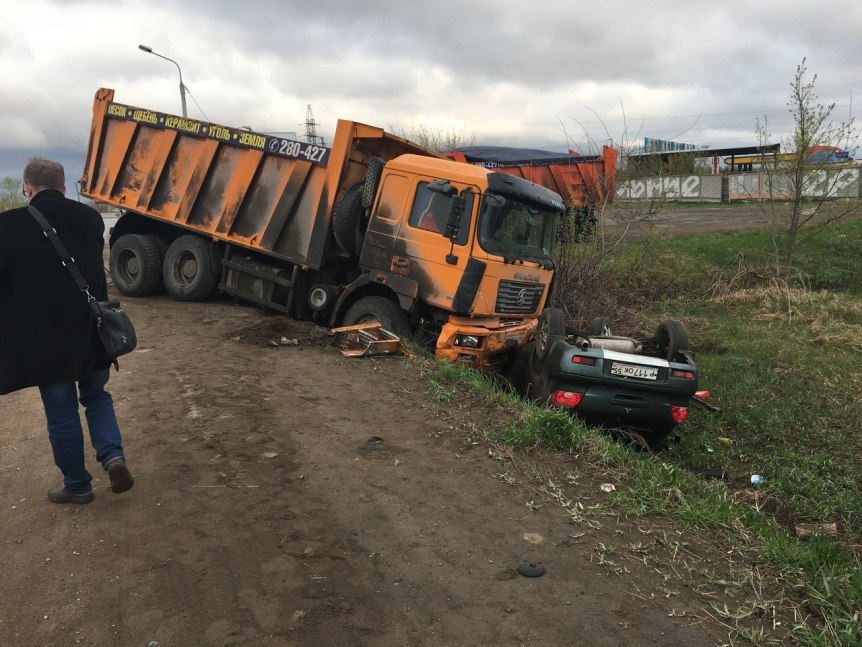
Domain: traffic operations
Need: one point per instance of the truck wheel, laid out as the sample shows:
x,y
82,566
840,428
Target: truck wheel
x,y
671,337
161,245
136,266
387,312
600,327
372,181
188,271
552,326
349,222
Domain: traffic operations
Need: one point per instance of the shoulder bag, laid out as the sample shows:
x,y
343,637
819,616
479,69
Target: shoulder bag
x,y
115,331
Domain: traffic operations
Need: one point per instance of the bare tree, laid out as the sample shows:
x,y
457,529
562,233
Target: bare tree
x,y
438,139
10,194
804,186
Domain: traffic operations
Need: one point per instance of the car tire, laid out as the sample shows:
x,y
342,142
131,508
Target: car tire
x,y
188,269
601,327
551,326
135,265
671,338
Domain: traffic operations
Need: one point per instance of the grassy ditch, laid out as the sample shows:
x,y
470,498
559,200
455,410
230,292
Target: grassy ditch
x,y
783,361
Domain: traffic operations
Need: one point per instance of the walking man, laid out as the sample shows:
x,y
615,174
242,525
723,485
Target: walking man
x,y
45,330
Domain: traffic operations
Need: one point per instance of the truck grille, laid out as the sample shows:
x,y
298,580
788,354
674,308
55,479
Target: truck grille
x,y
518,298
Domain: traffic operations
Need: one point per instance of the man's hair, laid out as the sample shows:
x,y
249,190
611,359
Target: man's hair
x,y
44,174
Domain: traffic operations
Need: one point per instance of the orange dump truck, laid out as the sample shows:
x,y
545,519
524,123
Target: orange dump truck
x,y
375,227
584,181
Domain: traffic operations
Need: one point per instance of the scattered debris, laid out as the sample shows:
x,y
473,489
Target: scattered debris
x,y
607,487
533,537
269,455
805,530
756,479
725,441
364,340
289,342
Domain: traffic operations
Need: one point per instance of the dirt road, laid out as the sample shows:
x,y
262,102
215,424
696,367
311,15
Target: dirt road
x,y
263,514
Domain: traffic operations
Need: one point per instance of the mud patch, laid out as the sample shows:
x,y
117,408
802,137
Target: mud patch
x,y
282,331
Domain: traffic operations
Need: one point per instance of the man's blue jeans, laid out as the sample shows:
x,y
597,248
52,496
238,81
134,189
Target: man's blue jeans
x,y
67,435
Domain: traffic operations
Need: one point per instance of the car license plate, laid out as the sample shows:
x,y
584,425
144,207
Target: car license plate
x,y
631,370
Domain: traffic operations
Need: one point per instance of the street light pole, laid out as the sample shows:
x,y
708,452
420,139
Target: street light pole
x,y
149,50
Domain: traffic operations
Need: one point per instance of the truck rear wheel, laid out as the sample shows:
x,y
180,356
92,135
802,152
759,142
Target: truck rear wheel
x,y
348,220
387,312
136,265
188,269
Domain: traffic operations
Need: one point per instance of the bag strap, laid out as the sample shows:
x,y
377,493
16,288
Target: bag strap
x,y
65,258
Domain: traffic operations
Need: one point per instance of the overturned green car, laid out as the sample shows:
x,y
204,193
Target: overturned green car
x,y
641,385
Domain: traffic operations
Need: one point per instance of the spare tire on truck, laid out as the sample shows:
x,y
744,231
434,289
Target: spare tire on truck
x,y
135,262
188,269
349,221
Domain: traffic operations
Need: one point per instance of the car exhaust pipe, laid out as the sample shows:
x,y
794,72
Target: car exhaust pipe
x,y
618,344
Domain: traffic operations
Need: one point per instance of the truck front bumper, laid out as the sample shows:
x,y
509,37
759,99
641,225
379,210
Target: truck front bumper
x,y
484,344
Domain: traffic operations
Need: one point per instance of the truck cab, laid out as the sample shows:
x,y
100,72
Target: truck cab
x,y
475,246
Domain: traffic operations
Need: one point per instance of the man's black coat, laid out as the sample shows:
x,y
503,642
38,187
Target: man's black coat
x,y
44,317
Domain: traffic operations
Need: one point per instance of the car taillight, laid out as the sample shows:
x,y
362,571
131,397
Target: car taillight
x,y
679,414
566,398
586,361
688,375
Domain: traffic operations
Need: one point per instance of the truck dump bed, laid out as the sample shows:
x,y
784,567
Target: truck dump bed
x,y
258,191
582,181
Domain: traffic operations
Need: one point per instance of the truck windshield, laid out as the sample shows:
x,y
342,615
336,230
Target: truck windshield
x,y
517,230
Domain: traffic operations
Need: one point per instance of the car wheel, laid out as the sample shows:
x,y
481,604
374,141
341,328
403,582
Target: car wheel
x,y
188,269
135,264
551,326
671,337
600,327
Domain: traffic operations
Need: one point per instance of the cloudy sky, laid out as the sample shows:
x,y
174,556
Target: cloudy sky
x,y
553,74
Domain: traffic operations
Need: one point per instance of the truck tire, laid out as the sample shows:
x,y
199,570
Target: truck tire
x,y
671,337
162,245
600,327
188,269
372,181
349,222
374,308
552,326
135,264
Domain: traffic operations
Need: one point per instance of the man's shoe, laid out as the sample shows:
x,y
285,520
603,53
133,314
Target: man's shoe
x,y
62,495
121,478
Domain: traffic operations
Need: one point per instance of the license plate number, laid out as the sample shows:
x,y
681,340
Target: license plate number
x,y
631,370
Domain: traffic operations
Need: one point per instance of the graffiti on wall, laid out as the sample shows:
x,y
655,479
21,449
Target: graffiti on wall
x,y
667,188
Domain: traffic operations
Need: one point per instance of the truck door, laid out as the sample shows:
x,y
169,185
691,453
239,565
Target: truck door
x,y
424,254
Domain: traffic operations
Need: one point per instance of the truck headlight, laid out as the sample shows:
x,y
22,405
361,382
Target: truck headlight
x,y
468,341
